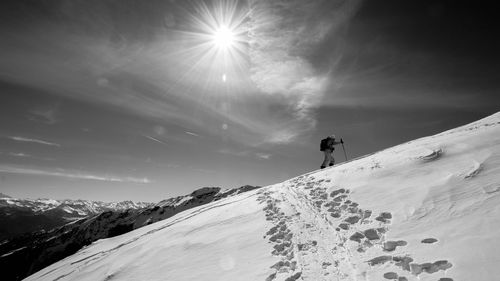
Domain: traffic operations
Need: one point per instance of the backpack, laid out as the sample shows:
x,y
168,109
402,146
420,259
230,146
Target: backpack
x,y
324,145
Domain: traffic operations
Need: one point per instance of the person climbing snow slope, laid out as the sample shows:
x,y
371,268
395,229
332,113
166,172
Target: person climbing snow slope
x,y
327,146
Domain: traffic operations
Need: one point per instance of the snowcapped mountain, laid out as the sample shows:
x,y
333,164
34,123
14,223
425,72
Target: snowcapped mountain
x,y
20,216
27,254
428,209
77,208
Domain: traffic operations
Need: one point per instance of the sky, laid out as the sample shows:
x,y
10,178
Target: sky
x,y
142,100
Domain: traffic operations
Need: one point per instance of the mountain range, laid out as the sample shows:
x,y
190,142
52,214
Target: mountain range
x,y
24,255
20,216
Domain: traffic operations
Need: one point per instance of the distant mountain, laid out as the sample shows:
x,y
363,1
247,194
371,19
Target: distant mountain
x,y
19,216
29,253
4,195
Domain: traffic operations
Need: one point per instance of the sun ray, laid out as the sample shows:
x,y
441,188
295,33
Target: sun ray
x,y
212,51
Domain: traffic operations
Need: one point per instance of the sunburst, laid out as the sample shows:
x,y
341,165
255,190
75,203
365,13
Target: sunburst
x,y
224,37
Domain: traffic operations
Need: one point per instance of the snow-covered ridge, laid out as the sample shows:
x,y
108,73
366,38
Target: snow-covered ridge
x,y
63,241
72,207
426,210
216,192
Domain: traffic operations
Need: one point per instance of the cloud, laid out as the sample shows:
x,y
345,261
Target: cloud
x,y
284,34
242,153
47,115
23,139
26,155
144,62
19,154
70,174
263,155
233,152
155,139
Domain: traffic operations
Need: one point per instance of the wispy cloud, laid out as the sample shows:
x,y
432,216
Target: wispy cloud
x,y
233,152
19,154
263,155
154,68
70,174
284,34
155,139
23,139
47,115
242,153
26,155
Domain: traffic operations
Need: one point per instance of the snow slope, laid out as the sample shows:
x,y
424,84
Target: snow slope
x,y
26,254
425,210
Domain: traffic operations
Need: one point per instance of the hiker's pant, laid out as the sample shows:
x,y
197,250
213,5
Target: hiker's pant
x,y
329,161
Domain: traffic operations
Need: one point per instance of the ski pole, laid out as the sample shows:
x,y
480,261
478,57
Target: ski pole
x,y
345,154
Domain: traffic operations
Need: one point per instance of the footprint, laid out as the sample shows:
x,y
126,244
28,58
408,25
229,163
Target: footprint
x,y
332,205
365,215
294,277
271,277
279,235
416,269
382,230
379,260
391,275
429,240
357,237
280,265
273,230
475,169
403,262
352,220
432,155
371,234
336,192
384,217
335,215
344,226
390,246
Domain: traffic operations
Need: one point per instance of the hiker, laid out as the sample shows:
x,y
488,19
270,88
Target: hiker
x,y
327,146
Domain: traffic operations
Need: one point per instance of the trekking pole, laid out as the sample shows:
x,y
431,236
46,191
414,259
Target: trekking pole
x,y
345,154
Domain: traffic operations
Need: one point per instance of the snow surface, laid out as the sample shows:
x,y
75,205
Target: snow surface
x,y
425,210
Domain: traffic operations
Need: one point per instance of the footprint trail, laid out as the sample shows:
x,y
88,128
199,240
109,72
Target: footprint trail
x,y
319,233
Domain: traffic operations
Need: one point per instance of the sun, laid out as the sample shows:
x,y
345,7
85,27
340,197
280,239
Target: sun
x,y
224,37
216,40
